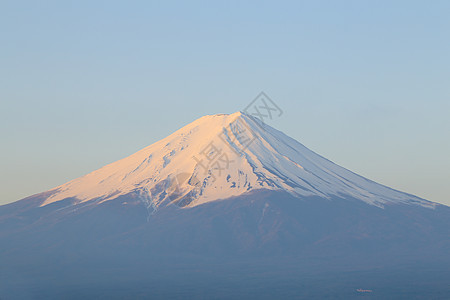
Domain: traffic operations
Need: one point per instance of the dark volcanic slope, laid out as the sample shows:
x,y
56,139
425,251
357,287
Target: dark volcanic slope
x,y
255,237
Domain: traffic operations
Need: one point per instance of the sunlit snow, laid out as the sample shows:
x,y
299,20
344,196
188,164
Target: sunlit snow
x,y
220,156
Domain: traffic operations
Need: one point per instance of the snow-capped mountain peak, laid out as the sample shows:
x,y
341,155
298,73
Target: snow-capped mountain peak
x,y
220,156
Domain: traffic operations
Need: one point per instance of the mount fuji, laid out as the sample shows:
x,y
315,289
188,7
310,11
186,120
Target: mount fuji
x,y
220,156
225,207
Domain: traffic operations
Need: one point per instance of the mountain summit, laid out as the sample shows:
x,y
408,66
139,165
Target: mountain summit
x,y
220,156
224,208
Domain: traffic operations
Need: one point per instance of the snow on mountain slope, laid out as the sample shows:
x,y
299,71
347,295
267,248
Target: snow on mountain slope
x,y
220,156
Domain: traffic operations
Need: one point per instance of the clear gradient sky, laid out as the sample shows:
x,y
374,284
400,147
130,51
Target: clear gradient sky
x,y
364,83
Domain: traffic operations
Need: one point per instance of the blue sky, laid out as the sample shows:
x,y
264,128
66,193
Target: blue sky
x,y
363,83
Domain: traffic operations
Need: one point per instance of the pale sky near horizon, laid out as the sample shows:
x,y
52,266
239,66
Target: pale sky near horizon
x,y
363,83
